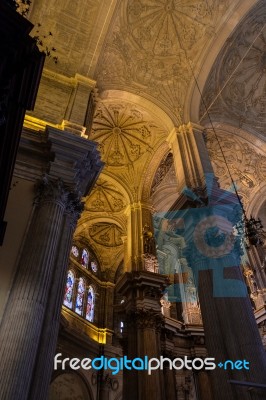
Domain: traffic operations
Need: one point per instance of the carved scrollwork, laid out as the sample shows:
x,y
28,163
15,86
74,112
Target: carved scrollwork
x,y
144,319
247,165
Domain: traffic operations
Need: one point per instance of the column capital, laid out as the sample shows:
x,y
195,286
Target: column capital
x,y
50,190
75,159
74,207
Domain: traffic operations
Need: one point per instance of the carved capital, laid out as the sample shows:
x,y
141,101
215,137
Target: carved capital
x,y
144,319
74,206
49,190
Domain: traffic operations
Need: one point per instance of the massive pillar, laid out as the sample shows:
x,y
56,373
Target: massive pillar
x,y
32,313
213,253
47,345
141,333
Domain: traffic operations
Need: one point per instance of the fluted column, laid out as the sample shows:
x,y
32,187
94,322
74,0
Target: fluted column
x,y
44,365
24,315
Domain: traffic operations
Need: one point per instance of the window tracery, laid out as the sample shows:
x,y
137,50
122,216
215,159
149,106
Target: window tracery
x,y
81,287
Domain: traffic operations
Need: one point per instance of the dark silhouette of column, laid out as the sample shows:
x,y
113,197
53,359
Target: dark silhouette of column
x,y
47,347
24,315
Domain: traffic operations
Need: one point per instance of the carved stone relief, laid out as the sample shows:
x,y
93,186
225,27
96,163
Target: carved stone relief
x,y
123,133
236,88
246,164
151,44
106,234
164,167
105,197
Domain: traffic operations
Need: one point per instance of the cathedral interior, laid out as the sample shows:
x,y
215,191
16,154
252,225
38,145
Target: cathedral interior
x,y
133,197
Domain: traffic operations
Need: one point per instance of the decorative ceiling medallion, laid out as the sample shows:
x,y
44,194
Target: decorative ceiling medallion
x,y
106,234
122,134
105,197
164,27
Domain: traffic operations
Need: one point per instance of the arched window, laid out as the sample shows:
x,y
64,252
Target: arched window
x,y
90,304
85,258
80,296
75,251
94,266
68,297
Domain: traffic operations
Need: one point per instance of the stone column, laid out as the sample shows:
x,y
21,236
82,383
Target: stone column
x,y
229,324
47,346
139,223
204,385
169,384
141,334
31,315
24,315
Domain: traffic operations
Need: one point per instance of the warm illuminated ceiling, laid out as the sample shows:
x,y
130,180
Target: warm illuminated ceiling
x,y
146,47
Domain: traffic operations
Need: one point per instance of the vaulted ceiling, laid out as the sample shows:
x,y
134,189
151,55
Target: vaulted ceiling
x,y
151,62
147,47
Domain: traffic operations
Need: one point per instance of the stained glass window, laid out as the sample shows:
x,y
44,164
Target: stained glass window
x,y
85,258
90,304
68,297
75,251
94,266
80,296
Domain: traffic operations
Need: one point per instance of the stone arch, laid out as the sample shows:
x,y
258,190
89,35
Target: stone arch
x,y
209,57
69,385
